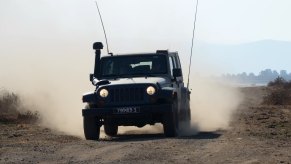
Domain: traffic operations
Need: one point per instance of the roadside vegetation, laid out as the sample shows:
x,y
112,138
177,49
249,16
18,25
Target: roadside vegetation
x,y
279,92
13,111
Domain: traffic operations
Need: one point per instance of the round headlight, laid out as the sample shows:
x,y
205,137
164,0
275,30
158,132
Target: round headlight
x,y
151,90
103,93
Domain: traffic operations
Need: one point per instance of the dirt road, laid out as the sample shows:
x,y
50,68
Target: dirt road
x,y
258,134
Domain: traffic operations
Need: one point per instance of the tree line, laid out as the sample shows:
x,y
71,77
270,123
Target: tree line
x,y
264,77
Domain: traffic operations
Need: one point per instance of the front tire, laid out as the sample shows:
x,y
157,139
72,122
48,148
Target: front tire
x,y
91,128
170,121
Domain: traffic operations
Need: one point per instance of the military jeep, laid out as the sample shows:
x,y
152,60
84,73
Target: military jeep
x,y
136,90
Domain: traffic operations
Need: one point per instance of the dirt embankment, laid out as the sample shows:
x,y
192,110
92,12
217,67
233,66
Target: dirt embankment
x,y
258,134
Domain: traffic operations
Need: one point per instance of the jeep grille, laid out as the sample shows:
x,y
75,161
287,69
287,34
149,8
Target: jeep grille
x,y
127,94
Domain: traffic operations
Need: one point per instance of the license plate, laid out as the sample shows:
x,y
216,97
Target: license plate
x,y
126,110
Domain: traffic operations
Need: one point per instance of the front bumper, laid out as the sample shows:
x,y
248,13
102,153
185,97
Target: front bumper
x,y
143,110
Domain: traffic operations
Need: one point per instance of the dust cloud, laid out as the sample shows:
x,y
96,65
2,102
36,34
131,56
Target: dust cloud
x,y
50,78
213,104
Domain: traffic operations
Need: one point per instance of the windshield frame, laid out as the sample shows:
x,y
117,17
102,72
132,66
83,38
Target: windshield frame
x,y
166,73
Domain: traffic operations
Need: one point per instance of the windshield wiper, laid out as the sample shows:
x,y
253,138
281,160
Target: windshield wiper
x,y
116,76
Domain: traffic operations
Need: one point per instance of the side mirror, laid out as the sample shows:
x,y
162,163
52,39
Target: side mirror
x,y
177,72
91,76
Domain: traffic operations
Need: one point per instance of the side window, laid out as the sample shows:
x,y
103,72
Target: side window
x,y
171,65
175,62
108,67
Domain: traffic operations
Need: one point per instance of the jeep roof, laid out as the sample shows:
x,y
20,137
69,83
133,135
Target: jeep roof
x,y
158,52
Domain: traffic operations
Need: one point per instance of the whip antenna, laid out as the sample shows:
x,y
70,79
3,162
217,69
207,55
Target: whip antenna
x,y
193,37
103,28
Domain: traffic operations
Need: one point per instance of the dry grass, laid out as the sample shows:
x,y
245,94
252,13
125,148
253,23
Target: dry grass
x,y
279,92
12,110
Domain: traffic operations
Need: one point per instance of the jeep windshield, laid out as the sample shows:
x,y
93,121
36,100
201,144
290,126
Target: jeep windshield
x,y
133,66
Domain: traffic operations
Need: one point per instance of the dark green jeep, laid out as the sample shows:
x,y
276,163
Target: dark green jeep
x,y
135,90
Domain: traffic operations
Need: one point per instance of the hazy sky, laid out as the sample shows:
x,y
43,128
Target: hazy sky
x,y
219,21
138,25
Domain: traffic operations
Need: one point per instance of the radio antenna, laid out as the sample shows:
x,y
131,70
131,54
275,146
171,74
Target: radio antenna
x,y
103,28
193,37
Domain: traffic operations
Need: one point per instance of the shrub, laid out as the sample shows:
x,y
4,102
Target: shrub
x,y
278,82
28,117
9,102
279,92
12,110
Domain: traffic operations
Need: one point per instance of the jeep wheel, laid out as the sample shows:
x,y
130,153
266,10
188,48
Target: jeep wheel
x,y
185,124
110,130
91,128
170,123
